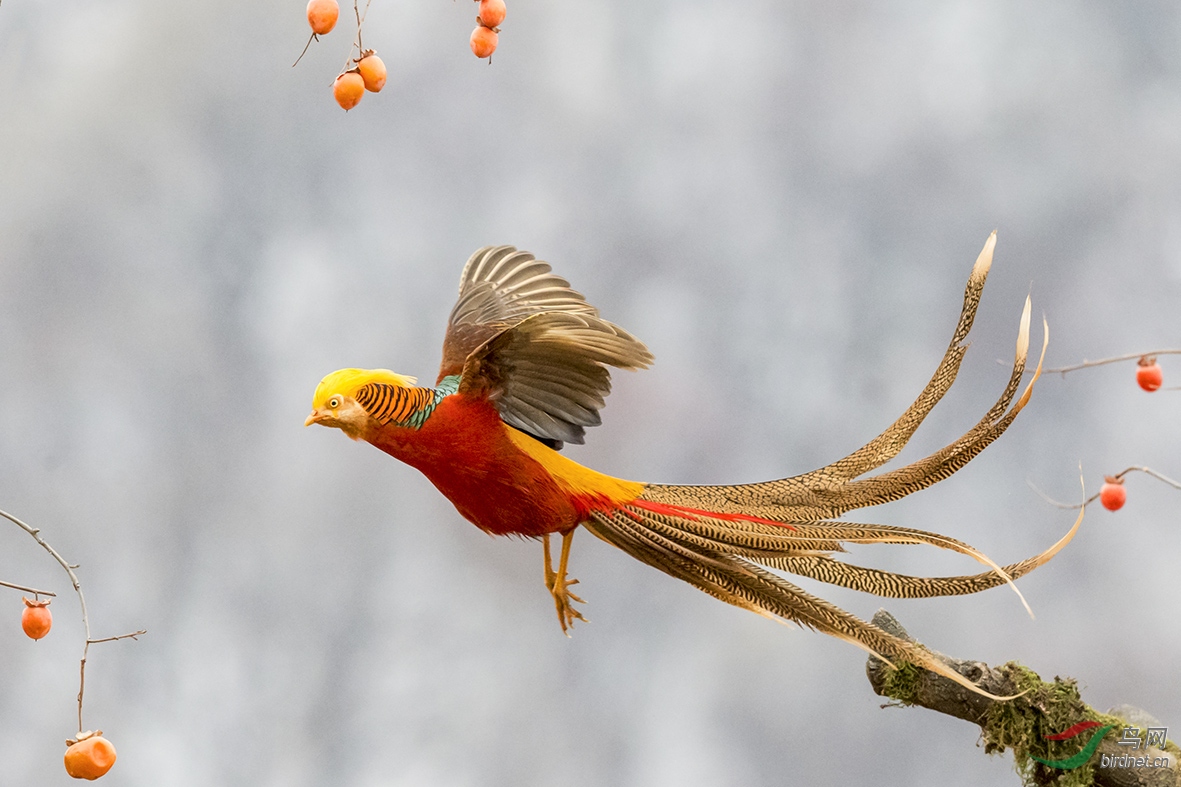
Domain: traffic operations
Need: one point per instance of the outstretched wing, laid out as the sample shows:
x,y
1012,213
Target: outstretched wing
x,y
498,288
522,337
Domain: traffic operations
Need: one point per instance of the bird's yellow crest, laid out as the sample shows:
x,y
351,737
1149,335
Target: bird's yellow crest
x,y
347,382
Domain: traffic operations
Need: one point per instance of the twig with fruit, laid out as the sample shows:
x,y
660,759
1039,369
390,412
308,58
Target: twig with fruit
x,y
1112,495
1148,371
89,755
364,70
361,72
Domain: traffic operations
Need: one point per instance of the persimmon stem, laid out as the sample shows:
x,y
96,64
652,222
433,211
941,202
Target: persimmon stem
x,y
69,569
1094,497
34,591
1129,357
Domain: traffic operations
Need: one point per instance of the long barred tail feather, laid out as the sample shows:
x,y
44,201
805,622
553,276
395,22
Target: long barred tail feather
x,y
760,541
896,484
890,585
831,491
673,545
889,443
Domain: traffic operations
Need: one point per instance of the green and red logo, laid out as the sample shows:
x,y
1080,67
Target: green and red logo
x,y
1070,763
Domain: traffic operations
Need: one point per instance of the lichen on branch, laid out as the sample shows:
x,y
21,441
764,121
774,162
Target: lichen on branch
x,y
1024,725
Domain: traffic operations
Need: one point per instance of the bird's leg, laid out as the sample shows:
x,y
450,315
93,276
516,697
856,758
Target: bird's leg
x,y
549,564
559,586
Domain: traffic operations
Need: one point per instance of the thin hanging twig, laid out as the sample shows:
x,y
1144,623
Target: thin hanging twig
x,y
357,43
311,38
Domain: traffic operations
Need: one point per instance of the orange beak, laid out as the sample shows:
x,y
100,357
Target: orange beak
x,y
313,418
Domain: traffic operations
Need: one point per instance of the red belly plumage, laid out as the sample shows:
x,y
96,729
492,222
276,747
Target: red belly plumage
x,y
464,450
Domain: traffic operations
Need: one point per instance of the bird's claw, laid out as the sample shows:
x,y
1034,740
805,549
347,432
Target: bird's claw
x,y
559,586
563,601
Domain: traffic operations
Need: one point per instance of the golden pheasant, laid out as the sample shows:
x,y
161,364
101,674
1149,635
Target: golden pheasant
x,y
525,369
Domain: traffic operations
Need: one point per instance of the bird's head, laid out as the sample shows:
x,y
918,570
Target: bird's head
x,y
335,404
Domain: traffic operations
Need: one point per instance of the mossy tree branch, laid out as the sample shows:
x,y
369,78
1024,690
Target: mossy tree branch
x,y
1022,724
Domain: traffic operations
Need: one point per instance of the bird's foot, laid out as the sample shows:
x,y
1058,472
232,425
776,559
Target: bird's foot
x,y
564,600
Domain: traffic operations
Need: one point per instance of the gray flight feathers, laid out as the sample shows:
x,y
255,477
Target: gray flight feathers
x,y
502,285
548,373
534,345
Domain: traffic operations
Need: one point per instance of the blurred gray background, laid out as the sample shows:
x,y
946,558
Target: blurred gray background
x,y
782,199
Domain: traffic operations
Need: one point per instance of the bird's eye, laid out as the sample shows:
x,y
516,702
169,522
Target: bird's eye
x,y
334,402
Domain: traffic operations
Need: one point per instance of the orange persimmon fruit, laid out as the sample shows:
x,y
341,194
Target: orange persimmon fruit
x,y
492,12
348,90
90,757
1113,495
36,619
484,41
372,72
1148,374
322,15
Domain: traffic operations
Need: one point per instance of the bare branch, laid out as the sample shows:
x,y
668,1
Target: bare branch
x,y
34,591
1129,357
1056,503
1154,474
69,569
133,635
